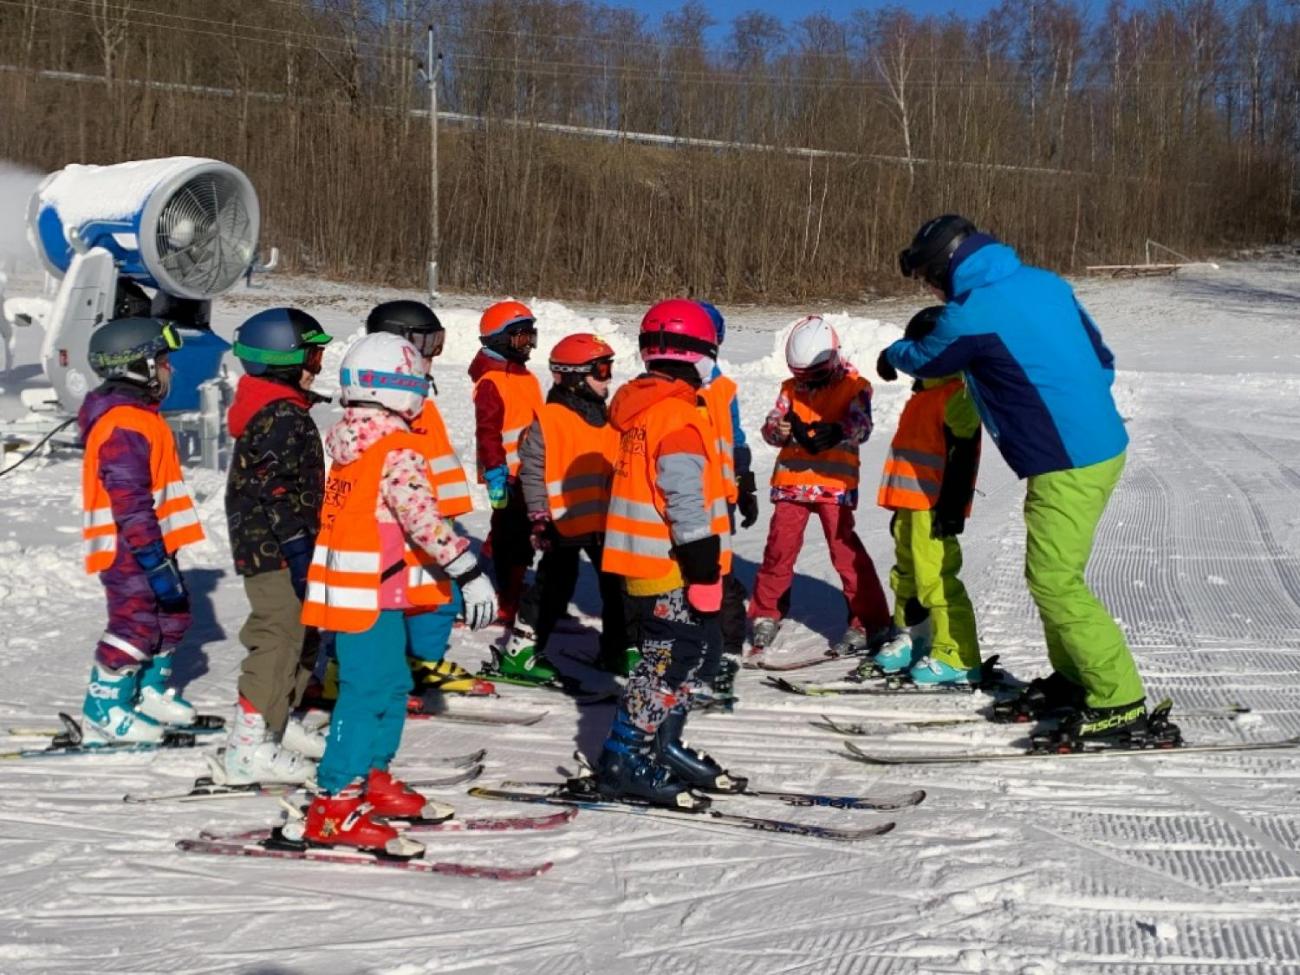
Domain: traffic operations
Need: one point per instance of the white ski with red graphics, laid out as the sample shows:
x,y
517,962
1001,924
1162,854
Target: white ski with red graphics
x,y
477,824
206,790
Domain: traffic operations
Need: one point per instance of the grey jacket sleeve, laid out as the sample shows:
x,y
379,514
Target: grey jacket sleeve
x,y
681,478
532,469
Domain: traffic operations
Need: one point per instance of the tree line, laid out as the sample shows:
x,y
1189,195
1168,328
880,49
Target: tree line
x,y
806,153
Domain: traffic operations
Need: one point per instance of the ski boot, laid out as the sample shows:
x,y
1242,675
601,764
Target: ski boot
x,y
1045,698
852,643
519,660
307,742
628,770
252,756
447,677
719,694
896,654
111,718
392,798
160,702
344,819
762,635
694,767
933,672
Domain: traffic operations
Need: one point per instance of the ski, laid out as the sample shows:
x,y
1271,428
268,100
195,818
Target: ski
x,y
992,678
481,824
635,808
70,741
805,799
521,719
204,724
1228,712
206,790
314,854
858,755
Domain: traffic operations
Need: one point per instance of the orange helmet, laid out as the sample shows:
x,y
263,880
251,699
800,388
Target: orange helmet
x,y
499,317
577,352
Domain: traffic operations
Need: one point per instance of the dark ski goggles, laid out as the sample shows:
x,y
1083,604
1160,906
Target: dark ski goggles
x,y
428,344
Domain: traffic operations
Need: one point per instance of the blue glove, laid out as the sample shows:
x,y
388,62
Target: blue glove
x,y
497,479
297,553
164,577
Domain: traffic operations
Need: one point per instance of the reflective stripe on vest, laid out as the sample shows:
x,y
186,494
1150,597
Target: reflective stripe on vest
x,y
346,573
445,469
522,396
579,465
914,467
178,519
638,540
717,397
836,468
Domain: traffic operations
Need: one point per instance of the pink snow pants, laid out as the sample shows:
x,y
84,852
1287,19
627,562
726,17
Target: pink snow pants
x,y
867,607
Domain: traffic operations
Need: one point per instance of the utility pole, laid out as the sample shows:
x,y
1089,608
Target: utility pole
x,y
429,75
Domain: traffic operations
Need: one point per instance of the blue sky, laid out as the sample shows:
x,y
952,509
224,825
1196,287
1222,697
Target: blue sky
x,y
724,11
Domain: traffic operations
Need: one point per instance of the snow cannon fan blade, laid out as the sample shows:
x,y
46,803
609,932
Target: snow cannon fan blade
x,y
183,225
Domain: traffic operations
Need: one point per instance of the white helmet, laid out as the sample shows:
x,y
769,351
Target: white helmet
x,y
386,370
813,350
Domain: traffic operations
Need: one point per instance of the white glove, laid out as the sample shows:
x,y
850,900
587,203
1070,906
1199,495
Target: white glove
x,y
475,590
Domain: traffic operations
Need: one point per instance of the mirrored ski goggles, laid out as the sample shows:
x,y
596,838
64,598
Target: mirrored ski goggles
x,y
314,359
522,337
602,370
428,344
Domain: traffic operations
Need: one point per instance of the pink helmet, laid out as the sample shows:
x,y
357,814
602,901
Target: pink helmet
x,y
678,329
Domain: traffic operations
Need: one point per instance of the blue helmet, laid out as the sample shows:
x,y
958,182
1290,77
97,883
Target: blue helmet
x,y
278,340
719,323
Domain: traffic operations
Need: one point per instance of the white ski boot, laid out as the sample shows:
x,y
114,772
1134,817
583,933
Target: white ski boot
x,y
307,742
160,702
252,756
110,717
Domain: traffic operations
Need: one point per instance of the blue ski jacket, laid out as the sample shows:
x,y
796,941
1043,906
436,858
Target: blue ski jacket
x,y
1034,361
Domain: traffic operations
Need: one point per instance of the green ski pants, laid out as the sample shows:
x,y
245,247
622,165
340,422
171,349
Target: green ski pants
x,y
1084,644
925,569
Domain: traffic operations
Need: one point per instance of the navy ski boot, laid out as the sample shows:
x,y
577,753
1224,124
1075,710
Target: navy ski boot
x,y
696,768
628,770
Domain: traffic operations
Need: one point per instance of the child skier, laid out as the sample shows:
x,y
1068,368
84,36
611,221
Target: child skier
x,y
506,400
719,395
273,495
566,461
821,417
382,549
667,535
929,482
428,631
137,514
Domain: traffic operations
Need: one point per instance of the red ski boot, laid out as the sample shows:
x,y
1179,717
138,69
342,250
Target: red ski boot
x,y
393,798
345,820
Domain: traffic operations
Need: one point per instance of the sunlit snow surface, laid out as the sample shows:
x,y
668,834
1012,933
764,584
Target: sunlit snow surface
x,y
1186,864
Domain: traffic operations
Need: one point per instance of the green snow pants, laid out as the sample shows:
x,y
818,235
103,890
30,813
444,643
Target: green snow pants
x,y
1084,644
925,569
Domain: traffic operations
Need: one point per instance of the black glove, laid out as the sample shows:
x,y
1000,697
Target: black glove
x,y
884,368
799,431
923,323
824,435
698,560
748,500
297,553
948,519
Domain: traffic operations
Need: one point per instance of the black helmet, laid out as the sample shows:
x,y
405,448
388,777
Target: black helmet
x,y
412,320
128,348
931,250
923,323
278,343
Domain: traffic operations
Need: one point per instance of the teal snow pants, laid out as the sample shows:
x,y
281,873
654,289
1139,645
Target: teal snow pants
x,y
374,680
1084,643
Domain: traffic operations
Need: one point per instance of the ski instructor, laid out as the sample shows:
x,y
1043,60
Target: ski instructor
x,y
1041,378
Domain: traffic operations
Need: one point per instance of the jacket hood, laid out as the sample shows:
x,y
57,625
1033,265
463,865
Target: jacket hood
x,y
989,263
360,427
253,393
637,396
109,395
485,362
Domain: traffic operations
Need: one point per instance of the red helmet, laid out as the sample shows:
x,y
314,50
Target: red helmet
x,y
501,316
678,329
576,353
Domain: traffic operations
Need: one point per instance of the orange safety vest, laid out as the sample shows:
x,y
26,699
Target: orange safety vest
x,y
834,468
717,397
522,395
638,542
445,469
172,504
343,583
914,466
579,466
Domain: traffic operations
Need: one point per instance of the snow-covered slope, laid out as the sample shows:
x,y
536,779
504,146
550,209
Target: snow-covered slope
x,y
1135,865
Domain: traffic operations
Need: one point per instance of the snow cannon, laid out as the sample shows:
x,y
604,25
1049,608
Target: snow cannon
x,y
184,227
